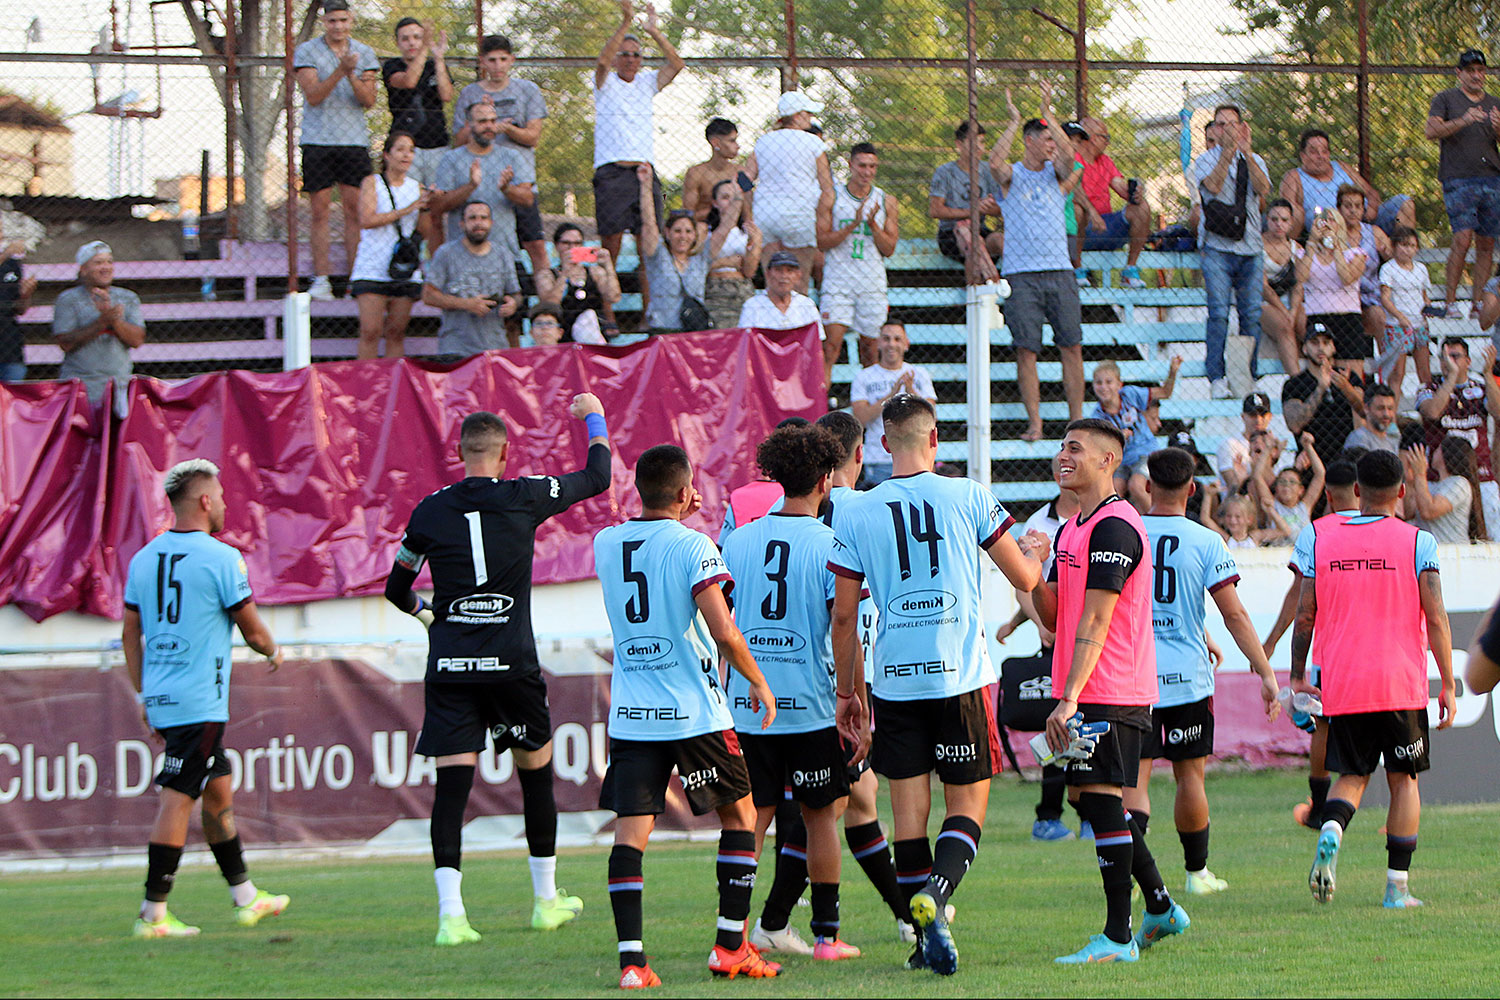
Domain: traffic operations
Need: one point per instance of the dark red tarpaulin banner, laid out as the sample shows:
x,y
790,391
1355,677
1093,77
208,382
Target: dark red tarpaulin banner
x,y
323,465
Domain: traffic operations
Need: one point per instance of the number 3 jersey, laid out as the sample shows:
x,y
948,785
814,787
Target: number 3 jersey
x,y
916,542
186,586
665,683
782,591
477,536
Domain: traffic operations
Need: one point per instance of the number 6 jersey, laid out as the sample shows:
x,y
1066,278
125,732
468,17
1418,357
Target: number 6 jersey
x,y
916,541
665,682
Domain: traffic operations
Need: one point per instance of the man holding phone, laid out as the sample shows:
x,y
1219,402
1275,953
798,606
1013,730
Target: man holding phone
x,y
473,281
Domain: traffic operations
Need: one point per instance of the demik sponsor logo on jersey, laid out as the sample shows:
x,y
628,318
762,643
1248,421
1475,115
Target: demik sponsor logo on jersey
x,y
647,647
168,645
774,640
481,609
922,604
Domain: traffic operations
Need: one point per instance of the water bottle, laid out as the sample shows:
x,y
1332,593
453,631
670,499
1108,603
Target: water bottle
x,y
1300,708
190,235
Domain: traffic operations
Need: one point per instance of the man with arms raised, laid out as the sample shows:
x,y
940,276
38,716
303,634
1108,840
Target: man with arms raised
x,y
483,674
670,624
1188,559
1098,601
1371,607
911,540
183,592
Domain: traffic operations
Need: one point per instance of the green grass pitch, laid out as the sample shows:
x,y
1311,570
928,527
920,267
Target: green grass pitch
x,y
365,927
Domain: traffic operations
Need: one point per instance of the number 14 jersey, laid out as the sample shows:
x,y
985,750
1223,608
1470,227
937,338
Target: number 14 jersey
x,y
665,683
916,541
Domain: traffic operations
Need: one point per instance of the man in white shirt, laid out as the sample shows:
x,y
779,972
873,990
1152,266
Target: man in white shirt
x,y
623,130
1234,460
781,306
881,382
790,168
857,231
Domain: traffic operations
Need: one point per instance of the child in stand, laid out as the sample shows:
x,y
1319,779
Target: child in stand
x,y
1236,522
1285,503
1405,292
1128,408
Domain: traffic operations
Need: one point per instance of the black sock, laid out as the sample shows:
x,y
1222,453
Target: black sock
x,y
789,879
1341,811
1398,851
869,847
952,854
736,868
626,886
161,870
825,907
913,868
1054,783
540,808
1114,846
1143,868
231,860
1142,819
449,801
1319,789
1194,849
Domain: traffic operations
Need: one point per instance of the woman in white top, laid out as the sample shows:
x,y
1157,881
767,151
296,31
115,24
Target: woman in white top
x,y
1446,507
1331,293
388,204
1282,317
729,275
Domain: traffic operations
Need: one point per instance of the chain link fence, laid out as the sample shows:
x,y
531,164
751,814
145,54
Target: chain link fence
x,y
162,129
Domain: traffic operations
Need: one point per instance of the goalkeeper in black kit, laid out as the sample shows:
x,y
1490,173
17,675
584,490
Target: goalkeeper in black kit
x,y
483,675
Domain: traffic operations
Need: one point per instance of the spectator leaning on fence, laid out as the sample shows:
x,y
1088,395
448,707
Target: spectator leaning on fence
x,y
781,306
879,383
790,168
1034,191
417,87
384,282
519,110
96,325
1131,225
15,299
723,164
623,133
472,279
336,75
948,197
584,287
1315,184
1463,121
1231,180
676,264
857,231
1461,404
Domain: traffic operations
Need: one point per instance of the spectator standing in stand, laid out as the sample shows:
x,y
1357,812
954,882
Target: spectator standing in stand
x,y
1463,121
473,281
388,204
624,132
519,110
723,164
96,325
336,75
15,298
790,168
417,87
857,231
729,284
676,264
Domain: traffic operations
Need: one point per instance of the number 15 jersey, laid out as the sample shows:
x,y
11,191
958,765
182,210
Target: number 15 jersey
x,y
665,683
917,542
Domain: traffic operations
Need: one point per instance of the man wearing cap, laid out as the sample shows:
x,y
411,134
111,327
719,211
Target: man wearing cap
x,y
781,306
337,77
1132,223
1235,458
1324,398
1463,121
97,324
790,167
623,130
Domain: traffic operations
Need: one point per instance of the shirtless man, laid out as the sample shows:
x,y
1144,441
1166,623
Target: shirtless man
x,y
724,165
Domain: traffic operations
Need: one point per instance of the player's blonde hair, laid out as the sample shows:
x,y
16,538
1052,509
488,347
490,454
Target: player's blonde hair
x,y
181,477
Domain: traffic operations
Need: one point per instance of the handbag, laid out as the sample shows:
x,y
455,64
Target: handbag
x,y
406,255
1228,220
692,315
1026,692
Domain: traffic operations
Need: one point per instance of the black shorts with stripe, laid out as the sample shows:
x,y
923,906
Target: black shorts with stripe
x,y
193,757
711,766
955,736
813,766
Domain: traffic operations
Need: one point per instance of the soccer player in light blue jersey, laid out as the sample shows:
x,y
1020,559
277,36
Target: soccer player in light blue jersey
x,y
1188,560
184,592
782,593
670,623
915,540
